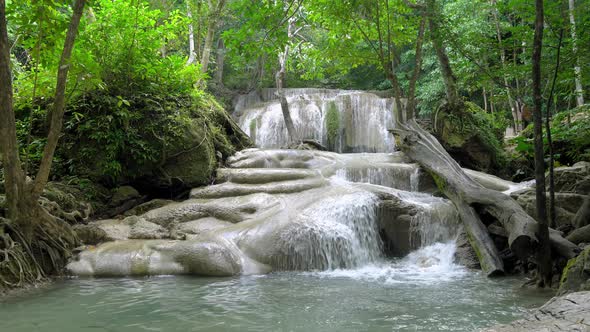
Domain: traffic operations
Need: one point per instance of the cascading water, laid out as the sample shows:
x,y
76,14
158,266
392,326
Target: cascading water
x,y
344,121
342,233
338,232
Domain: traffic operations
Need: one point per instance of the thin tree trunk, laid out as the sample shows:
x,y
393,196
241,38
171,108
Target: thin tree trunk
x,y
441,53
220,62
211,28
199,26
544,252
192,56
280,82
59,102
552,216
577,68
411,104
485,100
511,102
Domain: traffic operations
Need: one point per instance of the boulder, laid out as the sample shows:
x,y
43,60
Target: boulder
x,y
576,274
567,204
470,137
580,235
575,179
569,312
91,234
123,194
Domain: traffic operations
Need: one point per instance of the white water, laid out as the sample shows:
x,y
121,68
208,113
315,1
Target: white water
x,y
363,119
338,232
431,264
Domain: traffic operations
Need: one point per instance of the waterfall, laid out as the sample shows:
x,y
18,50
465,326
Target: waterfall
x,y
342,232
343,121
336,232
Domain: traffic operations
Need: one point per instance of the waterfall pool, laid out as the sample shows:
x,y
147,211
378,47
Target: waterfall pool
x,y
422,292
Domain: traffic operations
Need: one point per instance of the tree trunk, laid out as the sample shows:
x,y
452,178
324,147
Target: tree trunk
x,y
13,174
467,195
485,100
544,253
43,240
411,104
57,113
220,62
211,28
280,81
441,54
423,148
192,56
552,213
577,69
511,102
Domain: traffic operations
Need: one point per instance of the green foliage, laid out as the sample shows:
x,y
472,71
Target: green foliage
x,y
570,131
460,129
126,138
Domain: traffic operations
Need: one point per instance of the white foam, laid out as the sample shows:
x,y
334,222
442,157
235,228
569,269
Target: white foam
x,y
429,265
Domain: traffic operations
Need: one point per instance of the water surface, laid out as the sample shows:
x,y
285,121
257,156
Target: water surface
x,y
424,292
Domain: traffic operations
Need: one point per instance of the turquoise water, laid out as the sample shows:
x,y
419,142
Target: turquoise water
x,y
393,296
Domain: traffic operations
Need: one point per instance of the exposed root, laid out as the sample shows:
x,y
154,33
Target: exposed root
x,y
24,261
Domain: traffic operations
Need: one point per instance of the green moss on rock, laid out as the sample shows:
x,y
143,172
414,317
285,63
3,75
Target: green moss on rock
x,y
472,137
332,124
576,275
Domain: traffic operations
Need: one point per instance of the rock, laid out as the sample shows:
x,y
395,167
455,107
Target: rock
x,y
286,219
576,275
91,234
147,206
580,235
143,229
115,229
569,312
566,204
575,179
469,137
202,225
192,160
236,189
123,194
263,175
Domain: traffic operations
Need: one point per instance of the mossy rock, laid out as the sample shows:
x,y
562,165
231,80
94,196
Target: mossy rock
x,y
332,125
160,144
576,275
470,136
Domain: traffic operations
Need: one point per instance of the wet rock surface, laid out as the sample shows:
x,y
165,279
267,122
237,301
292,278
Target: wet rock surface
x,y
569,312
261,218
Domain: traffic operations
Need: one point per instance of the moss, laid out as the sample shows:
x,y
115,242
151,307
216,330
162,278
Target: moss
x,y
441,184
332,124
253,129
566,269
574,276
472,136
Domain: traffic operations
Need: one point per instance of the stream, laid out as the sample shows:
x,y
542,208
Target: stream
x,y
401,295
287,240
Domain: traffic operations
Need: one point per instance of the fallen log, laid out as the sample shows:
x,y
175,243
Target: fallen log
x,y
451,179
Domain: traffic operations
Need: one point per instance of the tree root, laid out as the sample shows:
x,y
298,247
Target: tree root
x,y
25,261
